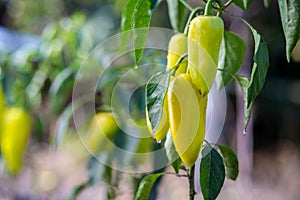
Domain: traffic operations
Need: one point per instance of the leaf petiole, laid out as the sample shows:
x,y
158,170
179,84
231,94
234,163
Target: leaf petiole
x,y
186,5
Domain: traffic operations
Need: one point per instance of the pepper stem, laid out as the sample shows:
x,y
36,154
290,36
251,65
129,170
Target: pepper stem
x,y
192,191
192,15
208,8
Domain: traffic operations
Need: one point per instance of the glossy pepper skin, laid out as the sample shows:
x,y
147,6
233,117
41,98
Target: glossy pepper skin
x,y
163,125
14,138
102,130
177,47
187,116
204,40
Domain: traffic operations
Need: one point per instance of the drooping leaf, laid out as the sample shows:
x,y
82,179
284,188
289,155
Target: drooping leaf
x,y
243,4
145,186
156,90
244,85
230,161
141,22
212,173
126,22
290,19
172,154
260,66
177,14
231,57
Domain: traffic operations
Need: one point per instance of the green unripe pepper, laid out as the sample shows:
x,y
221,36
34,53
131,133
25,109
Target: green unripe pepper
x,y
204,40
101,132
187,116
14,138
177,48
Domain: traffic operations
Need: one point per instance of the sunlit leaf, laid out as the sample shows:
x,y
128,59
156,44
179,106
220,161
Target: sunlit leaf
x,y
141,22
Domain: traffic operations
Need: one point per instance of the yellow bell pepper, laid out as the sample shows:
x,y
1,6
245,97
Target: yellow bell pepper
x,y
187,116
177,48
14,138
204,40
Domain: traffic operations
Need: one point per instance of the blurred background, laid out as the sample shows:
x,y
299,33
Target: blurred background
x,y
42,45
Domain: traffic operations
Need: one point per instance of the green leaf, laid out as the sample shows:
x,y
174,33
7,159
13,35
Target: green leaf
x,y
230,161
260,66
290,19
62,124
154,4
96,169
78,189
145,186
243,4
171,153
177,14
126,22
267,3
231,57
156,90
244,85
141,22
212,173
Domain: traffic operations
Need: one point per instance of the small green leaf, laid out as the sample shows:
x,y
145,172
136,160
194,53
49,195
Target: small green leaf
x,y
141,22
145,186
177,14
212,173
78,189
243,4
290,19
230,161
156,90
172,154
267,3
231,57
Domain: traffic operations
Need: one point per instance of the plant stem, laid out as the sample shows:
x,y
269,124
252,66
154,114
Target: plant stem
x,y
228,3
186,5
208,7
192,192
192,15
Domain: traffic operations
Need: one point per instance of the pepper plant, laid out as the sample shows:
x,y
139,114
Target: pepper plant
x,y
178,100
